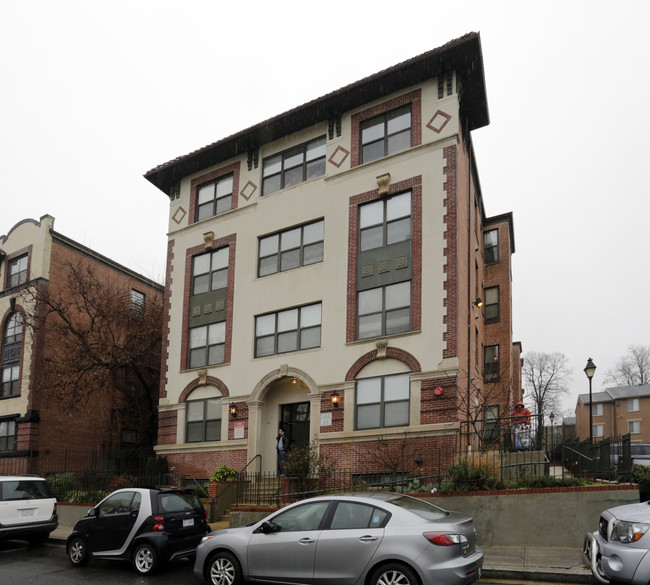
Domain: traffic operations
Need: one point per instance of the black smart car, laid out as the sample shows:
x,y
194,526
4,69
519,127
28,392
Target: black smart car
x,y
140,525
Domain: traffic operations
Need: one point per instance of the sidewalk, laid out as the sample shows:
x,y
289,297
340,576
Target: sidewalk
x,y
512,563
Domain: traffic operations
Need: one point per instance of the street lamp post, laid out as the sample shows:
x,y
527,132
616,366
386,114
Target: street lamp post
x,y
552,419
590,370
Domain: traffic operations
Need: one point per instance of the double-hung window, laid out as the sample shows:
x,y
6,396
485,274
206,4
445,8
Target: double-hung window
x,y
492,303
597,409
385,222
17,271
491,363
12,337
384,310
386,134
491,246
382,402
8,435
203,420
294,166
634,427
210,271
214,197
291,248
207,344
137,300
633,405
207,334
289,330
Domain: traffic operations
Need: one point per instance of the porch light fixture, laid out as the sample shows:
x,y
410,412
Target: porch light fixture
x,y
478,302
590,370
233,410
335,399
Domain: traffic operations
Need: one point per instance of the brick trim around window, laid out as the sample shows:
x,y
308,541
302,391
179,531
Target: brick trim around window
x,y
187,293
414,98
198,181
415,186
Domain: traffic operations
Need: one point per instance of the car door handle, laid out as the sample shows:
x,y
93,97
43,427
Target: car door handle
x,y
367,538
306,541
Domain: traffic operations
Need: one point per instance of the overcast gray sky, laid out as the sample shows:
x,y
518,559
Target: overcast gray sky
x,y
94,94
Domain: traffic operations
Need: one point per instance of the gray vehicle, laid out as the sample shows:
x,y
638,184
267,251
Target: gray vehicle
x,y
619,551
374,539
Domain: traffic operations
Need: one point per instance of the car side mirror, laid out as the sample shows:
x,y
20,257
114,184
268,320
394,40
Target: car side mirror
x,y
266,528
92,513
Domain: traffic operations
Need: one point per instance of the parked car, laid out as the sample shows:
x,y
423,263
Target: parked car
x,y
144,526
27,508
619,551
375,538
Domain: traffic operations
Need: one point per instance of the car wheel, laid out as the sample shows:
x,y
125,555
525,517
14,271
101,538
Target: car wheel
x,y
145,559
394,574
223,569
78,552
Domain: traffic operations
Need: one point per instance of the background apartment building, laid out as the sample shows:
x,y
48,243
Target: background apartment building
x,y
40,430
332,271
615,412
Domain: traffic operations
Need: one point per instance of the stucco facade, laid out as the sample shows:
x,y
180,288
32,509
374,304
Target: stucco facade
x,y
435,340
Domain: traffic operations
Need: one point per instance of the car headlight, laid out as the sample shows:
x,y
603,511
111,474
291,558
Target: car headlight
x,y
627,532
206,538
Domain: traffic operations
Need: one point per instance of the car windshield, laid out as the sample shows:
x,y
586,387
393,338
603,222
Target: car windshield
x,y
421,508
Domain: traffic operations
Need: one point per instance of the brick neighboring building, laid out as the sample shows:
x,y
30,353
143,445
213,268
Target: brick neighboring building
x,y
324,268
616,411
34,426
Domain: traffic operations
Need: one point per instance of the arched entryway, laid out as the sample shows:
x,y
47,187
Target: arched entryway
x,y
287,400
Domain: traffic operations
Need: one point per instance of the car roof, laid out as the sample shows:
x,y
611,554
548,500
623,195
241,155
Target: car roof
x,y
19,477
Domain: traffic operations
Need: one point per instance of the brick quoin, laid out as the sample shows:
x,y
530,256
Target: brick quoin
x,y
451,253
167,303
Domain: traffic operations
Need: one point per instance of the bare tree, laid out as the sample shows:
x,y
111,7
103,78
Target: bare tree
x,y
633,369
99,343
547,376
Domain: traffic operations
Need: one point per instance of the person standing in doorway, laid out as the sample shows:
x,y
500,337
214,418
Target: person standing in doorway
x,y
282,447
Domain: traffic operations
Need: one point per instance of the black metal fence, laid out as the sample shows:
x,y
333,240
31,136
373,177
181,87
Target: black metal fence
x,y
86,476
609,459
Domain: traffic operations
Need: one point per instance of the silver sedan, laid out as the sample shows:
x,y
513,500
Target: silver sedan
x,y
376,538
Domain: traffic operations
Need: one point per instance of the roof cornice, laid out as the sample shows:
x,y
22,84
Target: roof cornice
x,y
463,55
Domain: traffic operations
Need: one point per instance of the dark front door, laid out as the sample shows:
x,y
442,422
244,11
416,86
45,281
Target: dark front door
x,y
294,419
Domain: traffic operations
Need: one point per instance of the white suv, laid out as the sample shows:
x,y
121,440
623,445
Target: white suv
x,y
27,508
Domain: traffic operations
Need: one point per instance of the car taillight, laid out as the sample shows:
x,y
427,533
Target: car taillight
x,y
159,523
445,539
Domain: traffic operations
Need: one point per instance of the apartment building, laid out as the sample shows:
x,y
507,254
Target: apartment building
x,y
614,412
36,426
332,271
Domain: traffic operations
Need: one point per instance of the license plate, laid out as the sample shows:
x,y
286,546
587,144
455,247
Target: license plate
x,y
27,512
188,522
